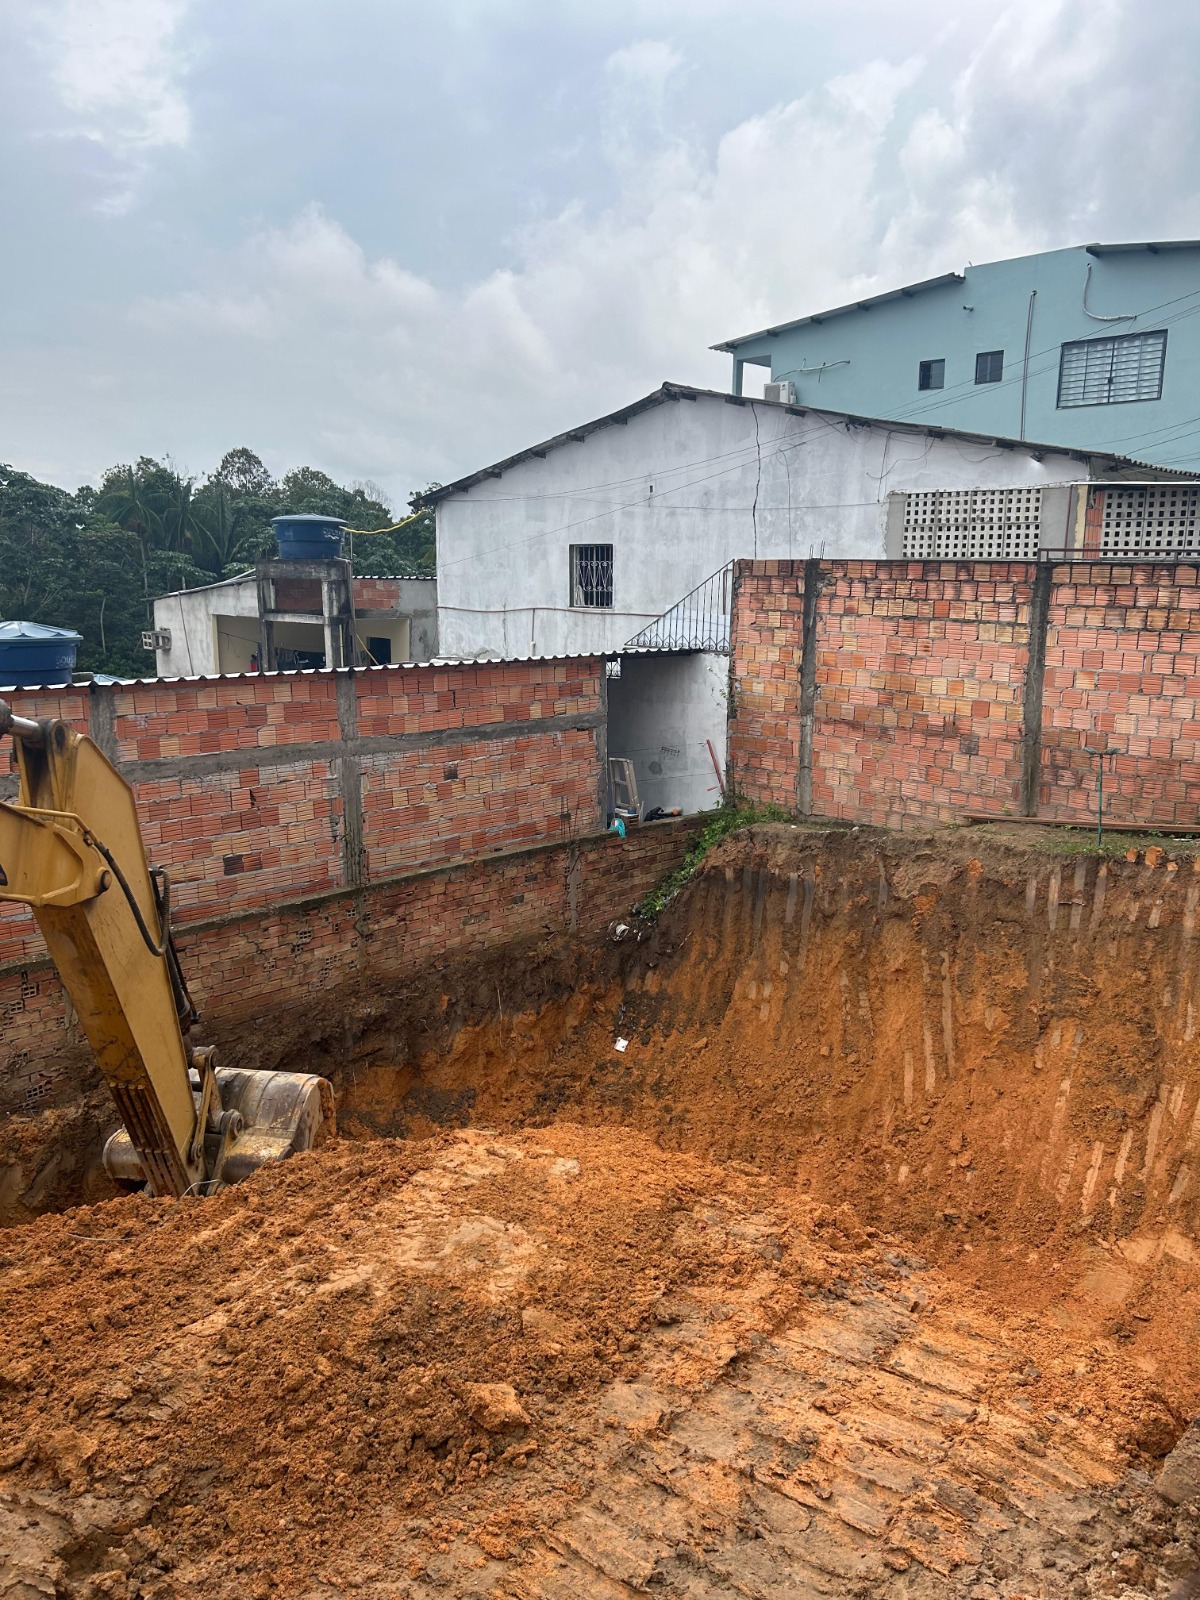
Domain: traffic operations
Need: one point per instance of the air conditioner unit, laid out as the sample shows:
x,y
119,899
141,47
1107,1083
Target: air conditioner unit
x,y
784,392
156,639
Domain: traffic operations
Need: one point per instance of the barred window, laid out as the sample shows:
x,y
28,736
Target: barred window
x,y
1105,372
592,575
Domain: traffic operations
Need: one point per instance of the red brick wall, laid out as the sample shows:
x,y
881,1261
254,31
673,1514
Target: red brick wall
x,y
269,960
920,683
767,638
919,680
243,785
1122,665
376,594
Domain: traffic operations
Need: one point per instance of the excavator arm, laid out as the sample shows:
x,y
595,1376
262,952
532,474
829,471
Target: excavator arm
x,y
71,849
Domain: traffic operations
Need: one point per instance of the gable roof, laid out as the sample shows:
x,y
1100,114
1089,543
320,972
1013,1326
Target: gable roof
x,y
683,391
906,291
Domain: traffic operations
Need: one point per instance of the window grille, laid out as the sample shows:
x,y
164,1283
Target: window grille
x,y
1104,372
592,575
972,525
931,375
1150,520
989,366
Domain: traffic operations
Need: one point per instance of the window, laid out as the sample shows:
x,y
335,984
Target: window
x,y
592,575
989,366
1107,372
931,375
380,650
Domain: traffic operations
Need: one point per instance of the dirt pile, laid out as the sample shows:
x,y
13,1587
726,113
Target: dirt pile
x,y
561,1362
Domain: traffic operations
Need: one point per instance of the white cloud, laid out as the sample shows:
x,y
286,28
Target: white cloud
x,y
117,70
370,370
305,346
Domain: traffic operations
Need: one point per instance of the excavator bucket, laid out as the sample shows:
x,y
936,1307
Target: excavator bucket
x,y
264,1116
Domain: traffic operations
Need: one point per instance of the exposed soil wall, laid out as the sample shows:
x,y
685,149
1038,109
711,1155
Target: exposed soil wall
x,y
986,1048
333,983
985,1045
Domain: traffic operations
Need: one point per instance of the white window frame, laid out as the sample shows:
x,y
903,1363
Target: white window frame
x,y
1119,369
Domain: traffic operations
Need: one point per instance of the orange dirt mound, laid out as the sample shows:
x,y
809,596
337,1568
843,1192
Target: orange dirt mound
x,y
555,1363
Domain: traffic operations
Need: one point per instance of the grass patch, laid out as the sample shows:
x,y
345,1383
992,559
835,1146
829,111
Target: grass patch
x,y
1081,841
725,820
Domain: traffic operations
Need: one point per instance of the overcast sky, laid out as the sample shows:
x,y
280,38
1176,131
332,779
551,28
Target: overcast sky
x,y
398,240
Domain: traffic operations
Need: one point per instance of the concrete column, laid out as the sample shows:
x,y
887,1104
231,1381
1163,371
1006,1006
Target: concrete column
x,y
349,769
102,721
808,686
1035,672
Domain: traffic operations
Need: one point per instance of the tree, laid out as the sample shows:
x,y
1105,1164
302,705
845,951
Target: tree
x,y
94,561
245,475
411,548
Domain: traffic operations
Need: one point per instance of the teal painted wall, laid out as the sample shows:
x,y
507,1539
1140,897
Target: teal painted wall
x,y
884,344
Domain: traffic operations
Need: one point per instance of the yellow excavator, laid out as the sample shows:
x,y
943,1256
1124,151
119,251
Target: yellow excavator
x,y
72,850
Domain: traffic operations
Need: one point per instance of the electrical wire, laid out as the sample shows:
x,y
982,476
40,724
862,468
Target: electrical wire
x,y
393,527
920,407
568,527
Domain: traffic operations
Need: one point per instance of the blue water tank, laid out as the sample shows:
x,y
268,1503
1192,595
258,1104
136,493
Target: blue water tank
x,y
308,537
33,654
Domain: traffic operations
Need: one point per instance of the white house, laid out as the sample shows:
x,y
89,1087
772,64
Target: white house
x,y
215,628
574,545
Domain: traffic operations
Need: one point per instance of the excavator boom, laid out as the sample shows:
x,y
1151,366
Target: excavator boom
x,y
71,849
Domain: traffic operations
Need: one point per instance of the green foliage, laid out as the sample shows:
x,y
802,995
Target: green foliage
x,y
409,549
95,560
727,819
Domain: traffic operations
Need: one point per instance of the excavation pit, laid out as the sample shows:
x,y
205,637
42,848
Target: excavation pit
x,y
869,1266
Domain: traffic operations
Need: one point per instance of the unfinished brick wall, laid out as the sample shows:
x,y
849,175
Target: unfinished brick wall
x,y
258,789
258,962
927,690
915,675
320,827
1122,658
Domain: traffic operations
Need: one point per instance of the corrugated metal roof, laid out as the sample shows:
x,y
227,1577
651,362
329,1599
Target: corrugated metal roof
x,y
685,391
905,292
249,577
1153,246
327,672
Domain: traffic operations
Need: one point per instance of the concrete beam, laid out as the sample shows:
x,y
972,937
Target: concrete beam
x,y
282,755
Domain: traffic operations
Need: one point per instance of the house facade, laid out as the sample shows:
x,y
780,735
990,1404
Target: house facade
x,y
1096,347
577,544
217,628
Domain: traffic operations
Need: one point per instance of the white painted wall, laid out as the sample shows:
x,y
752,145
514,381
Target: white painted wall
x,y
215,629
418,602
192,618
679,490
662,710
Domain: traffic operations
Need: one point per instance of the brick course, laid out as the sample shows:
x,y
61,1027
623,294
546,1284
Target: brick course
x,y
922,671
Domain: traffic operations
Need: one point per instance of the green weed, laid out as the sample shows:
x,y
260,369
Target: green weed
x,y
725,820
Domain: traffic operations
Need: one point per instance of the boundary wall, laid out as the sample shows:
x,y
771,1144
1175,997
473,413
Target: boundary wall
x,y
323,825
901,692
